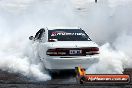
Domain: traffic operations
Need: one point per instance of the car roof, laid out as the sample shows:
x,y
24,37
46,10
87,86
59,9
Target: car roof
x,y
52,28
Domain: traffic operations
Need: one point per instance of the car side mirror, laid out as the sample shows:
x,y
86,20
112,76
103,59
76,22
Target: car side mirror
x,y
31,38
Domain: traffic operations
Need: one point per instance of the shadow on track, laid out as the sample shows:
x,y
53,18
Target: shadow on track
x,y
64,74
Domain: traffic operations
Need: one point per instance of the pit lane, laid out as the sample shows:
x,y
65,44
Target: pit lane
x,y
66,79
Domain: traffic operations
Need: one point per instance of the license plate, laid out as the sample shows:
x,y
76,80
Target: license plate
x,y
74,52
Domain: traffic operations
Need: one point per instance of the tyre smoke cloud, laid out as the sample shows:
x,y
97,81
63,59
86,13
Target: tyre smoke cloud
x,y
105,21
109,23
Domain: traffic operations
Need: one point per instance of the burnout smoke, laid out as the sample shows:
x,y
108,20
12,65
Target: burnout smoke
x,y
111,61
105,21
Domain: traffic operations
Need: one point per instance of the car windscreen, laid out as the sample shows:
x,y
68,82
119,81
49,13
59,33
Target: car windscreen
x,y
68,35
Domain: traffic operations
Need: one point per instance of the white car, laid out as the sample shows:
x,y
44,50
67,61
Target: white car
x,y
65,48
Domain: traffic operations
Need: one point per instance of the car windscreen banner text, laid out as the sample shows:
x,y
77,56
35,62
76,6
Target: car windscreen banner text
x,y
64,33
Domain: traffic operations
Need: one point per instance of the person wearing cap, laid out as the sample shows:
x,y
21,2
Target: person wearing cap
x,y
39,33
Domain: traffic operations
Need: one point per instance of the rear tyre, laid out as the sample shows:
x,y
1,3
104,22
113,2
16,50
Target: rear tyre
x,y
82,80
128,71
53,74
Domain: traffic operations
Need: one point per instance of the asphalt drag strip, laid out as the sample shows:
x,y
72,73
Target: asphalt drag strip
x,y
64,79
